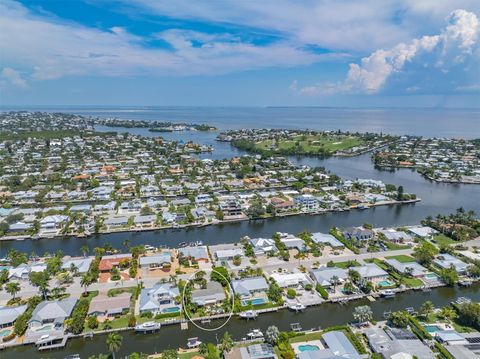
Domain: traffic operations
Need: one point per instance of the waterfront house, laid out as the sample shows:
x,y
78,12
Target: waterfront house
x,y
107,263
327,239
231,208
323,276
307,202
248,286
290,241
19,227
262,246
81,264
22,271
358,234
52,311
211,295
106,306
254,351
445,261
337,342
8,315
282,205
450,337
145,220
199,253
423,232
228,254
371,272
290,280
53,222
116,222
395,236
161,298
409,268
81,208
156,261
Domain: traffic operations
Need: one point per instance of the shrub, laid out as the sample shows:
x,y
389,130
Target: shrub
x,y
79,314
291,293
132,321
92,322
146,315
322,291
9,337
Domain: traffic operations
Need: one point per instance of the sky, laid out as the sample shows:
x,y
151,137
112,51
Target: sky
x,y
349,53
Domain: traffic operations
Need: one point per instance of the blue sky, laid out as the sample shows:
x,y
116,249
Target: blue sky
x,y
240,53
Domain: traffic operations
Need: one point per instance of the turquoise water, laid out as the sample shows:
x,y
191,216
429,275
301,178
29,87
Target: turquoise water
x,y
308,348
4,332
432,328
385,283
4,268
431,276
45,328
171,310
256,301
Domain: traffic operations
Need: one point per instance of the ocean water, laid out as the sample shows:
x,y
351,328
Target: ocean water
x,y
458,123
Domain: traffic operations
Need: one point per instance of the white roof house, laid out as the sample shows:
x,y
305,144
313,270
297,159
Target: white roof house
x,y
324,275
247,286
446,260
227,254
423,232
286,280
263,245
327,239
371,271
414,268
82,264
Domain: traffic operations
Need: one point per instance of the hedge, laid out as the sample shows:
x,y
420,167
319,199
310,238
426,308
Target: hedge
x,y
323,292
21,323
444,352
344,241
77,321
357,343
418,329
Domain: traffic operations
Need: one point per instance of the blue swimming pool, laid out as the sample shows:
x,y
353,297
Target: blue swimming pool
x,y
171,310
256,301
308,348
385,283
432,328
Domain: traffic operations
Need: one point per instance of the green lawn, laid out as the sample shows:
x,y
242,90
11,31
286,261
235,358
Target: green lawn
x,y
442,239
394,246
413,282
306,337
347,264
187,355
402,258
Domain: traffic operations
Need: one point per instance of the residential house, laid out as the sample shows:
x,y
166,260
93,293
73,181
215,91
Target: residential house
x,y
228,254
262,246
358,234
81,264
371,272
327,239
107,263
410,268
106,306
282,205
290,280
290,241
8,315
159,299
307,202
257,351
198,253
52,311
323,276
445,261
395,236
248,286
211,295
156,261
423,232
22,271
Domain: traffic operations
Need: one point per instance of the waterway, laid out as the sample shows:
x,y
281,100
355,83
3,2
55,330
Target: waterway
x,y
321,316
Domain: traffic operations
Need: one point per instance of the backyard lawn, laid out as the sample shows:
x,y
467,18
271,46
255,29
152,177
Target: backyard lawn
x,y
402,258
347,264
442,239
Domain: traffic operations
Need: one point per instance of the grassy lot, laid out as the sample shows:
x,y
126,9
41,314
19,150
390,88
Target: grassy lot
x,y
306,337
442,239
402,258
347,264
413,282
311,144
187,355
394,246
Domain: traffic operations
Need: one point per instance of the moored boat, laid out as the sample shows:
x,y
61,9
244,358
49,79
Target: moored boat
x,y
147,327
387,293
248,314
193,343
255,334
297,307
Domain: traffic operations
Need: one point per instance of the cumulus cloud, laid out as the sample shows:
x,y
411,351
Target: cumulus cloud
x,y
12,77
48,49
451,54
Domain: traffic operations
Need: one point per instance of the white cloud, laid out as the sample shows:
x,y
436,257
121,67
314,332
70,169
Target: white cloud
x,y
50,50
457,43
12,77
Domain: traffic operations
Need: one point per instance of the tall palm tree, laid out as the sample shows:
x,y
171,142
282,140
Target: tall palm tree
x,y
227,342
85,250
12,288
335,281
85,281
114,342
427,308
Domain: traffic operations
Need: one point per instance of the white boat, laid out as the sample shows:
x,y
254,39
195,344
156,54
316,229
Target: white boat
x,y
147,327
387,293
255,334
248,314
297,307
193,343
149,247
465,282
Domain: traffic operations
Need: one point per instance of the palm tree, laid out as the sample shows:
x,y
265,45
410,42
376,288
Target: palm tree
x,y
114,342
12,288
85,250
85,281
227,342
335,281
427,308
272,334
448,314
363,314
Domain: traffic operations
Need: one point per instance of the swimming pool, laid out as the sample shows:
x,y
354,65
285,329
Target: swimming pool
x,y
45,328
385,283
256,301
4,332
432,328
171,310
431,276
308,348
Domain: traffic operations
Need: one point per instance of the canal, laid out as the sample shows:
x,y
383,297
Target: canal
x,y
321,316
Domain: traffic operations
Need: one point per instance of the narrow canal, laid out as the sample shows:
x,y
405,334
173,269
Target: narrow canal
x,y
320,316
